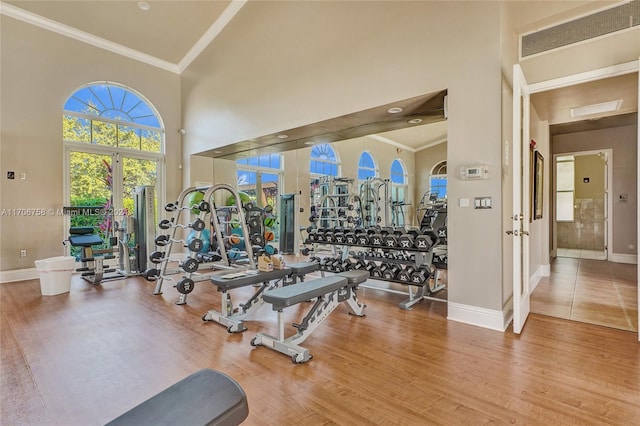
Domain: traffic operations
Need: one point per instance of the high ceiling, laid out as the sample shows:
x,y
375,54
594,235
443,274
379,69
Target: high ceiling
x,y
170,34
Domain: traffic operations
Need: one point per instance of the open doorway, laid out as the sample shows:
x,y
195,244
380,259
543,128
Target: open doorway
x,y
593,268
582,204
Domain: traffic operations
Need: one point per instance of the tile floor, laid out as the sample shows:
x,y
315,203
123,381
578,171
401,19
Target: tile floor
x,y
591,291
582,254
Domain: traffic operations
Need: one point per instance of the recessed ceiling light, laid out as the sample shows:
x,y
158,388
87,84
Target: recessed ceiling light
x,y
415,121
283,136
143,5
394,110
596,108
309,143
217,151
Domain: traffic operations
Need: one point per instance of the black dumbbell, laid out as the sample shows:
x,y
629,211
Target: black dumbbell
x,y
405,241
391,272
376,240
377,271
426,239
404,275
339,235
420,276
162,240
350,238
329,235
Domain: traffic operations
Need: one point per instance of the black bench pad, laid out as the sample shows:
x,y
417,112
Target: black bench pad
x,y
83,240
303,268
290,295
354,277
260,277
206,397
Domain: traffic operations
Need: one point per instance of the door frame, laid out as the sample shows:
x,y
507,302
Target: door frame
x,y
608,183
599,74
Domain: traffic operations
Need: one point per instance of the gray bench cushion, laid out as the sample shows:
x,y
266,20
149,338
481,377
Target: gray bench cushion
x,y
260,277
303,268
355,277
84,240
206,397
290,295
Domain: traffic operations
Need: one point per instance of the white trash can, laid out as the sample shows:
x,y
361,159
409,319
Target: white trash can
x,y
55,274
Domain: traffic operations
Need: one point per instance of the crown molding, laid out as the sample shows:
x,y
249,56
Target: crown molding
x,y
392,142
430,144
213,31
67,31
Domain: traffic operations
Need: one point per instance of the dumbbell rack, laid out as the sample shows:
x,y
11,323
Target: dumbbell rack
x,y
420,259
191,264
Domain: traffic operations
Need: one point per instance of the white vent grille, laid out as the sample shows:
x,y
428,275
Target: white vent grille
x,y
607,21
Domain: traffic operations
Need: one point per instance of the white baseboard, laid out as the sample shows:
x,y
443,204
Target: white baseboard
x,y
481,317
624,258
19,275
542,271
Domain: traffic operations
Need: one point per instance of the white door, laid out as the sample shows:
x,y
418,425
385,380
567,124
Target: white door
x,y
521,199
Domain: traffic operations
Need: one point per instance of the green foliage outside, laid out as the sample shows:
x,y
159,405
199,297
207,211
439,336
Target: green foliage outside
x,y
91,177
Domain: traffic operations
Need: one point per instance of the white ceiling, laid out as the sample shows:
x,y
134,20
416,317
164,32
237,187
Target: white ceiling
x,y
172,33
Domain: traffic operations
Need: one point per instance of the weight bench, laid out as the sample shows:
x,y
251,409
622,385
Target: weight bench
x,y
328,292
299,270
232,318
93,267
206,397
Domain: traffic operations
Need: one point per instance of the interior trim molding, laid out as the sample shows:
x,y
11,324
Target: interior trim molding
x,y
213,31
392,142
19,275
585,77
67,31
480,317
624,258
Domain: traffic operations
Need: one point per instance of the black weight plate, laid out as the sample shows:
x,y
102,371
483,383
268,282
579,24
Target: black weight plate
x,y
190,265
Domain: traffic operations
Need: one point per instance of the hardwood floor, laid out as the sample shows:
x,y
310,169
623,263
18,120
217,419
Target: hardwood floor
x,y
85,357
591,291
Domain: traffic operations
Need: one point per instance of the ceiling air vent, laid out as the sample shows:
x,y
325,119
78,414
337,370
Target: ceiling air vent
x,y
621,17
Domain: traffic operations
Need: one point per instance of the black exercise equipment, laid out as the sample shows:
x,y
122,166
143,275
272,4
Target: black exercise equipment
x,y
206,397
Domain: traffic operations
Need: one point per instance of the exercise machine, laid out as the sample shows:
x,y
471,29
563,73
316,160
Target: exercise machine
x,y
129,246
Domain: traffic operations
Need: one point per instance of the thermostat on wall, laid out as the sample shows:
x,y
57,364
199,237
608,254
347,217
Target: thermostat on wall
x,y
480,171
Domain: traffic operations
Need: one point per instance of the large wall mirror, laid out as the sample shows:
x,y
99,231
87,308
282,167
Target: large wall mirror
x,y
382,172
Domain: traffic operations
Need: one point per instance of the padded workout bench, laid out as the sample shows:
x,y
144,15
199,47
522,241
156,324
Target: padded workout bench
x,y
328,292
206,397
299,270
233,320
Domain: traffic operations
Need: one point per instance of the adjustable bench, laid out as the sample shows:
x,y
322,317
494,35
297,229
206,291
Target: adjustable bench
x,y
232,319
328,292
299,270
206,397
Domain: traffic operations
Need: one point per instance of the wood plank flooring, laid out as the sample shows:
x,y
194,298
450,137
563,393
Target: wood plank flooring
x,y
85,357
591,291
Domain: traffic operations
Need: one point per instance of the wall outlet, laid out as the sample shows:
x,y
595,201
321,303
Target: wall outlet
x,y
23,253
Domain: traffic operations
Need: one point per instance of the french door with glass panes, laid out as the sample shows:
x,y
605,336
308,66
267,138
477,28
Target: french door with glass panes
x,y
106,180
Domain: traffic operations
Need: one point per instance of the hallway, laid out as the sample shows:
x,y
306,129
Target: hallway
x,y
590,291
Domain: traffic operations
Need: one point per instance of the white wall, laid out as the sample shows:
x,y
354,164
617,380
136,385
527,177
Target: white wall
x,y
277,66
40,70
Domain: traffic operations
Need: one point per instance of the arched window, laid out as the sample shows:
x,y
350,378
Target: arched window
x,y
438,181
366,166
114,141
324,161
260,175
399,190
